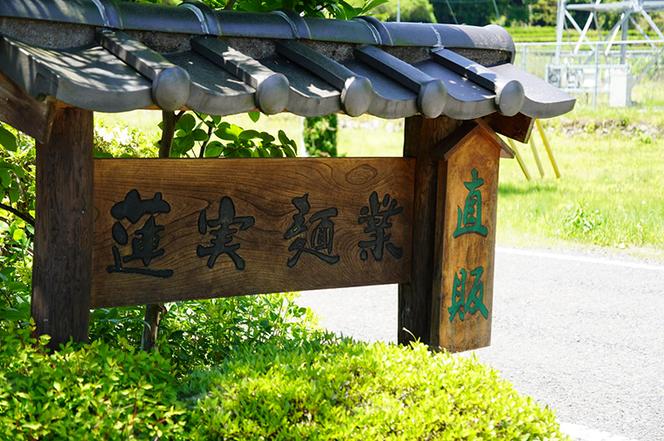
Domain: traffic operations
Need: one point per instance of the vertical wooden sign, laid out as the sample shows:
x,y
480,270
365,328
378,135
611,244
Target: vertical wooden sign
x,y
463,291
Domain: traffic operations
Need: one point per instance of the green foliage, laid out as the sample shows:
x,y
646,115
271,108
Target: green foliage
x,y
17,209
121,142
100,391
203,333
579,222
543,13
320,136
354,391
479,12
318,387
419,11
208,136
339,9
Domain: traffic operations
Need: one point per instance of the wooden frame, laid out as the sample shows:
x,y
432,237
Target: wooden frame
x,y
73,240
70,276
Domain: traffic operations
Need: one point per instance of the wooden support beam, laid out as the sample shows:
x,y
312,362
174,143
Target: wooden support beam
x,y
21,111
517,127
62,270
421,140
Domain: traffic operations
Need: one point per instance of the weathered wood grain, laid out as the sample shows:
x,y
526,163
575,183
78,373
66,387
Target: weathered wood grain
x,y
21,111
263,189
62,266
421,141
478,150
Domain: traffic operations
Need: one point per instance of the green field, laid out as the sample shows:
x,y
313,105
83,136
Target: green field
x,y
610,194
538,34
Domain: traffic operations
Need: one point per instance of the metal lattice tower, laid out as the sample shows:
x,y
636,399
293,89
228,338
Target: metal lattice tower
x,y
627,9
601,70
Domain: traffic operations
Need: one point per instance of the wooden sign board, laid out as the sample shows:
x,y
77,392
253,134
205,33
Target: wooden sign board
x,y
463,295
174,229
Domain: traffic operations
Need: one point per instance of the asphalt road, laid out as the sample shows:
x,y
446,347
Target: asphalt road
x,y
582,334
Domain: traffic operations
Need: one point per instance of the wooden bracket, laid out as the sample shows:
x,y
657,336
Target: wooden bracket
x,y
23,112
517,127
446,148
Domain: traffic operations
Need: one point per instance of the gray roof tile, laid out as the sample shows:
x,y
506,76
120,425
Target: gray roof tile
x,y
231,62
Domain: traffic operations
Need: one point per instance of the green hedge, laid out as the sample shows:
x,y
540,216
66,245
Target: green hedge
x,y
353,391
279,384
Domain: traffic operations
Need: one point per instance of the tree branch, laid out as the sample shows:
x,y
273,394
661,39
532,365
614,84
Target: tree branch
x,y
25,216
206,142
167,133
155,311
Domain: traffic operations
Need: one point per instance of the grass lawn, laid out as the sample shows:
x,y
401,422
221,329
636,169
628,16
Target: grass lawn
x,y
611,193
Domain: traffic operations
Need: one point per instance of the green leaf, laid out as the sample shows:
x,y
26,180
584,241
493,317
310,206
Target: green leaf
x,y
244,152
289,151
231,153
7,139
249,134
254,116
266,138
100,154
276,152
228,132
187,122
14,314
214,149
14,194
367,7
199,135
183,145
18,234
18,171
283,138
5,178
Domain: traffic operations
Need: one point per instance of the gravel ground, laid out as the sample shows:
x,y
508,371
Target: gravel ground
x,y
582,334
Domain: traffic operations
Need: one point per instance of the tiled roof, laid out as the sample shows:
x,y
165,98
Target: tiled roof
x,y
110,56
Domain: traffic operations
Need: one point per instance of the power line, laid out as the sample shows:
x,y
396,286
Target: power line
x,y
451,11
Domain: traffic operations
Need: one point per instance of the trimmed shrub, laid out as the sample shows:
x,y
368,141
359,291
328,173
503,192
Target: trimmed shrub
x,y
252,368
353,391
93,392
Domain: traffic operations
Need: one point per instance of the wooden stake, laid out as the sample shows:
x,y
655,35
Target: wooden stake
x,y
62,269
547,147
519,159
422,136
538,161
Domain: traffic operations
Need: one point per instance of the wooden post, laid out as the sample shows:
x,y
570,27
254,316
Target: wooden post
x,y
62,270
421,139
